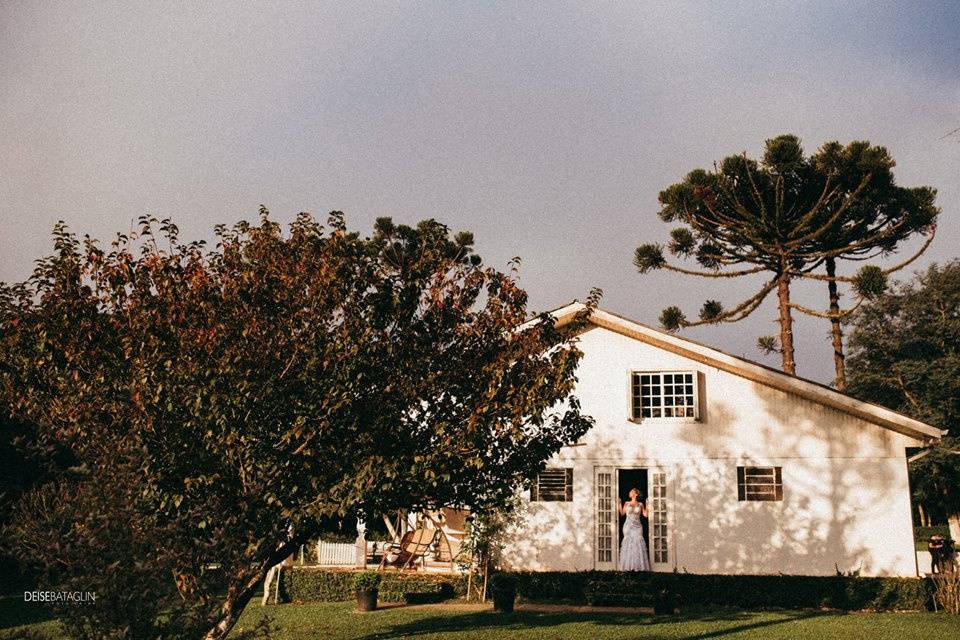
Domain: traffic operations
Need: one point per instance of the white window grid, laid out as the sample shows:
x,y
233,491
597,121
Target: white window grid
x,y
664,394
658,517
605,517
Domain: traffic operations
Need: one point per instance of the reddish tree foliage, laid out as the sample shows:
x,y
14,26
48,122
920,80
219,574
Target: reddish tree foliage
x,y
255,389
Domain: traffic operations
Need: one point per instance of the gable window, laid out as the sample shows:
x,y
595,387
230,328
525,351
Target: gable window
x,y
553,485
759,483
663,394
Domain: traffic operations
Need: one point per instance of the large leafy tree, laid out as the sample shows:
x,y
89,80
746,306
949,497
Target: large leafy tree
x,y
279,380
19,472
785,217
905,354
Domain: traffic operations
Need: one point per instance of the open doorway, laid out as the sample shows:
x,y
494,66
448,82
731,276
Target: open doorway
x,y
628,479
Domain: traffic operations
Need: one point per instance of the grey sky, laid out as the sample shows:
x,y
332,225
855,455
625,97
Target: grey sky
x,y
547,129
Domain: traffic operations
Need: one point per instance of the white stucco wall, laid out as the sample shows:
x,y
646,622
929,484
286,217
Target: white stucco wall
x,y
846,498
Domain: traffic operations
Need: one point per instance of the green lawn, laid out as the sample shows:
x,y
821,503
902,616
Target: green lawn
x,y
334,621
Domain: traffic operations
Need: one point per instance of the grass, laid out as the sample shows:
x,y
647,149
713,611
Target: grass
x,y
17,615
922,534
336,621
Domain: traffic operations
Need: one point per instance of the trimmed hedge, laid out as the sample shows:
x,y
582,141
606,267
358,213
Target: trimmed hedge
x,y
748,592
306,584
302,584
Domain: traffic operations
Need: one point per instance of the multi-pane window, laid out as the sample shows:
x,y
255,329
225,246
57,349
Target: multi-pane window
x,y
664,395
759,483
553,485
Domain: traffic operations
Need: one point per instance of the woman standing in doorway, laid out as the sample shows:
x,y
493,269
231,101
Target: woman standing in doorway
x,y
633,550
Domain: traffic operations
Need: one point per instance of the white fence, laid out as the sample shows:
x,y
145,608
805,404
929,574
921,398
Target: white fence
x,y
337,554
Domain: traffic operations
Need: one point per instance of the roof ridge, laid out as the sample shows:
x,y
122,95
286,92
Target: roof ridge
x,y
764,374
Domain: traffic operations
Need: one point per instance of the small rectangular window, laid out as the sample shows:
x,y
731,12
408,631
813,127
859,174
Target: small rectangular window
x,y
664,394
759,483
553,485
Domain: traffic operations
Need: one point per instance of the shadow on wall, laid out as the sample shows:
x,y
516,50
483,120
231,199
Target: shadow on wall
x,y
843,492
561,536
830,500
552,535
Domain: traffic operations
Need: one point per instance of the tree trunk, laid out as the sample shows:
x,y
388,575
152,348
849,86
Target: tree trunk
x,y
271,573
238,597
786,325
234,605
486,576
954,522
836,328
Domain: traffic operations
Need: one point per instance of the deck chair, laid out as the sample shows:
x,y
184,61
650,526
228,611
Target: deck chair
x,y
413,546
451,524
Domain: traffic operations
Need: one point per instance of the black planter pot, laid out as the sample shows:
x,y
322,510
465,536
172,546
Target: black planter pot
x,y
667,603
367,599
504,599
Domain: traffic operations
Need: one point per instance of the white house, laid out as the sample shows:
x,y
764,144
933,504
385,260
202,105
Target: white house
x,y
746,469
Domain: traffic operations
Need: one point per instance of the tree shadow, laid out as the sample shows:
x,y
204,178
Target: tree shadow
x,y
14,612
647,625
845,502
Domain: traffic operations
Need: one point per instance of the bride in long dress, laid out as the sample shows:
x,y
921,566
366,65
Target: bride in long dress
x,y
633,550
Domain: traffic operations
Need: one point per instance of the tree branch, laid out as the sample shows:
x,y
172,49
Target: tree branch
x,y
742,310
888,271
826,314
713,274
836,216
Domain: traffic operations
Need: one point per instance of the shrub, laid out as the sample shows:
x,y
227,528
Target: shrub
x,y
503,582
366,580
84,535
623,590
754,592
306,584
337,536
554,586
924,533
631,589
947,591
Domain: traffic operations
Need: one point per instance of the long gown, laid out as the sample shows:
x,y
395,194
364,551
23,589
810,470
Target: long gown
x,y
633,550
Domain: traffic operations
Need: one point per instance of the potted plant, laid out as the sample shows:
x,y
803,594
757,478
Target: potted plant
x,y
366,584
503,588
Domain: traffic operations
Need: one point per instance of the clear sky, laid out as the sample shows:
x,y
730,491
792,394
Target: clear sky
x,y
545,128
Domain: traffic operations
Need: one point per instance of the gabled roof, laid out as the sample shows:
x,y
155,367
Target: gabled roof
x,y
762,374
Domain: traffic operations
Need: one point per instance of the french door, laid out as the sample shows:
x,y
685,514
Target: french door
x,y
606,520
659,529
606,539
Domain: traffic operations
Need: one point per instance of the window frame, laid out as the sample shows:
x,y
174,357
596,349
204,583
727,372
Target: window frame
x,y
631,398
742,484
536,494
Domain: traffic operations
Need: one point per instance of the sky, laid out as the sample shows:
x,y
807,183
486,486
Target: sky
x,y
547,129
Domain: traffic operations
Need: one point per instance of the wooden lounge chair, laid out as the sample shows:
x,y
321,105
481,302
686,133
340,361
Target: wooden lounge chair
x,y
451,524
413,546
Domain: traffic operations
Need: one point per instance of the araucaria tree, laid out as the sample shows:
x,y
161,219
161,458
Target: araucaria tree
x,y
248,392
785,217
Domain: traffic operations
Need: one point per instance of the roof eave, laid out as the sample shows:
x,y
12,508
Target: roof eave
x,y
758,373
